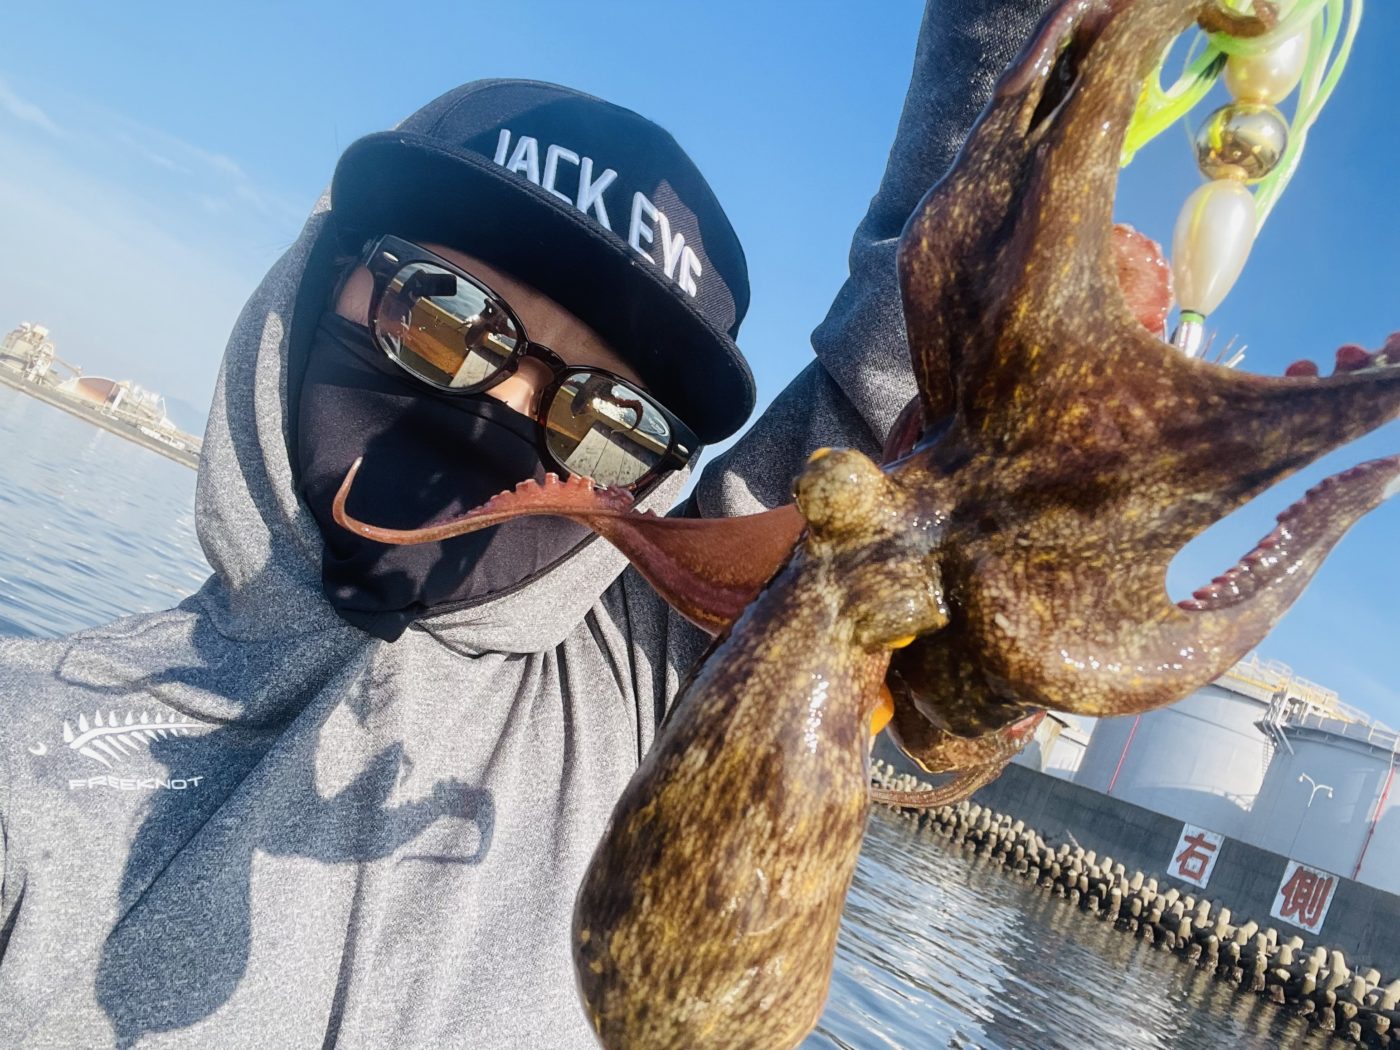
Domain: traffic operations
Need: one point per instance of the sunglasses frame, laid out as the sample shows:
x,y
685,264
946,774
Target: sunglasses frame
x,y
388,255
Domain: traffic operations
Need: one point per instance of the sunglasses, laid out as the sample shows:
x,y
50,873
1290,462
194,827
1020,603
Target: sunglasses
x,y
450,331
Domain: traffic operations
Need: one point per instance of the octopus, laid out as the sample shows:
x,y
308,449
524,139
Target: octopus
x,y
1008,556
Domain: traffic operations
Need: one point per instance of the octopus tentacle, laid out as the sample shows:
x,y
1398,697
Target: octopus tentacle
x,y
955,790
1016,246
938,749
707,569
573,498
1082,629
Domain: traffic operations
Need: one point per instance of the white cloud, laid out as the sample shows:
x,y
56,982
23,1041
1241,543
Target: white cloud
x,y
126,150
133,282
219,163
161,161
27,112
212,204
161,146
217,181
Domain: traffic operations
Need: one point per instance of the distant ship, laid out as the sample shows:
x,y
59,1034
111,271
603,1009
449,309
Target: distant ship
x,y
29,363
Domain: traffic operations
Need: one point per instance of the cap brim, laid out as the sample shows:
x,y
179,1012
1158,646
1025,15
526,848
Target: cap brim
x,y
413,186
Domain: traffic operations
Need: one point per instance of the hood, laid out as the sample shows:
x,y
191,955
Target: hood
x,y
262,541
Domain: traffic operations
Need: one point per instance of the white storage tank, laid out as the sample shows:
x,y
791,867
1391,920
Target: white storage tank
x,y
1328,799
1059,745
1201,760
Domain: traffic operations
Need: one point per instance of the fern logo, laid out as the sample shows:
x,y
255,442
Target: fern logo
x,y
111,740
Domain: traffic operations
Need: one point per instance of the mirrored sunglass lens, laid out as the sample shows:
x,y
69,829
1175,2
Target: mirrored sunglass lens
x,y
606,430
442,328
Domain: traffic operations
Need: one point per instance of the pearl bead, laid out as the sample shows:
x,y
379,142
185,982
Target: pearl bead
x,y
1269,77
1213,236
1244,140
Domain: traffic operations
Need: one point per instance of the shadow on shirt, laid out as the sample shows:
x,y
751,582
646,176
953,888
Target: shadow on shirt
x,y
181,943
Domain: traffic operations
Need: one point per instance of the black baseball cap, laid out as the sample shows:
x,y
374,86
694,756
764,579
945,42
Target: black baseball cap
x,y
592,204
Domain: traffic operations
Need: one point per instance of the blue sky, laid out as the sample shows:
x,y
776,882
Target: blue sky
x,y
156,158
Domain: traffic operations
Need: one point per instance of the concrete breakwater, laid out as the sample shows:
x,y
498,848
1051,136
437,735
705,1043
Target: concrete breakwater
x,y
1317,982
1361,920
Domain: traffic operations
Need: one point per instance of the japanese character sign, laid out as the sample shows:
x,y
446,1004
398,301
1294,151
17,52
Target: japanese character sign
x,y
1304,896
1193,859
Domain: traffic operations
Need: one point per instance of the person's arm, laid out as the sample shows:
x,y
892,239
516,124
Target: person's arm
x,y
862,376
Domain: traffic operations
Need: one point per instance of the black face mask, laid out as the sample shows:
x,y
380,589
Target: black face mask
x,y
427,458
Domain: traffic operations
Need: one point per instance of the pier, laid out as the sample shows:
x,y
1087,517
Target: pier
x,y
27,361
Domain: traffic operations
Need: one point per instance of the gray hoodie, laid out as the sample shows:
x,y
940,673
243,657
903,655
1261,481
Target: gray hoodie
x,y
242,822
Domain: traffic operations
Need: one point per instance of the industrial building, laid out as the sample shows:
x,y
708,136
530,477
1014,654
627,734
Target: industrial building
x,y
29,363
1261,756
121,398
29,350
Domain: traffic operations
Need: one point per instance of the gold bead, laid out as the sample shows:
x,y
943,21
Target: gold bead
x,y
1244,141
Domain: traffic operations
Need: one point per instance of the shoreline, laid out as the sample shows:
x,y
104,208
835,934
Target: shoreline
x,y
1354,1003
89,414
